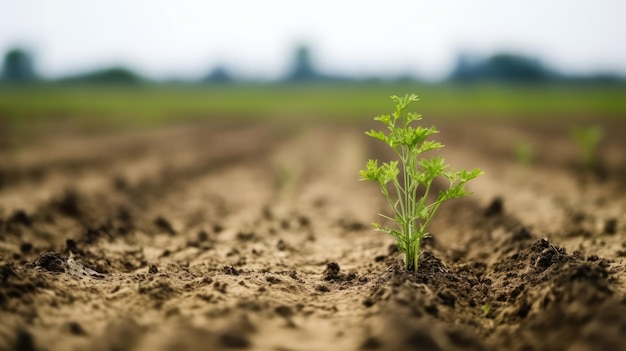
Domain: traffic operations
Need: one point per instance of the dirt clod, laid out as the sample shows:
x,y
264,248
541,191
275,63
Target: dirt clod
x,y
20,217
164,225
332,271
284,311
610,226
52,262
495,207
76,328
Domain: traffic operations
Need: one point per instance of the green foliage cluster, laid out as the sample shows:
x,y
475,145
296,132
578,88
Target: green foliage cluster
x,y
400,184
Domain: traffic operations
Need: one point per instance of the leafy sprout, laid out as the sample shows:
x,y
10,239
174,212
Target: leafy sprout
x,y
524,153
400,180
588,139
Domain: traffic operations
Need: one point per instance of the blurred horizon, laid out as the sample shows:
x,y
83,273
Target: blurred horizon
x,y
148,63
249,41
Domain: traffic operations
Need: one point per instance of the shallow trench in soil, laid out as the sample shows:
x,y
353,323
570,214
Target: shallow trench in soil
x,y
250,236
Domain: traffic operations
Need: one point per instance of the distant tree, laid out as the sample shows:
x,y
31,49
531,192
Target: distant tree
x,y
112,75
303,69
219,75
18,66
502,67
466,69
510,67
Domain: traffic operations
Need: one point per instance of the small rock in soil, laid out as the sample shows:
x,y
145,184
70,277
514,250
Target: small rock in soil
x,y
281,245
76,329
304,221
352,226
20,217
273,280
153,269
496,207
26,247
203,236
245,236
610,226
164,225
284,311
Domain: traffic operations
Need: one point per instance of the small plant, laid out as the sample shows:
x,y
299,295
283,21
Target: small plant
x,y
399,185
588,140
486,308
287,175
524,153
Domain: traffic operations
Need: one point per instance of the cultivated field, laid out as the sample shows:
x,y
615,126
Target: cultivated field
x,y
239,233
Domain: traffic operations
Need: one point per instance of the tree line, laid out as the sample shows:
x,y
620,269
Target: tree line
x,y
19,67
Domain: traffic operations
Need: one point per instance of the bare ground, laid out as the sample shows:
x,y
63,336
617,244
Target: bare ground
x,y
248,236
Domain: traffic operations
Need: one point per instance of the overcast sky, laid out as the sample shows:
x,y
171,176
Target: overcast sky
x,y
255,38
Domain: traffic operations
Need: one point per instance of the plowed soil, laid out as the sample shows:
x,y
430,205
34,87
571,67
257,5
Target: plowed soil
x,y
250,236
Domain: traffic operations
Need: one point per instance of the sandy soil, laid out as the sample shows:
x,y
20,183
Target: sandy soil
x,y
248,236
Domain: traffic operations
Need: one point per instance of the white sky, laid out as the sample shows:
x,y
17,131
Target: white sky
x,y
255,38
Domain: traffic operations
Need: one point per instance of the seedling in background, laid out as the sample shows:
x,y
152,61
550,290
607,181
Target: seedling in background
x,y
486,308
400,185
524,153
286,174
588,140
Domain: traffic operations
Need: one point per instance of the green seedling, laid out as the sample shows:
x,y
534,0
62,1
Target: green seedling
x,y
588,140
286,174
400,184
486,308
524,153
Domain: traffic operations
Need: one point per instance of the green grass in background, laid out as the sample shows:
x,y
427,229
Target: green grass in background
x,y
147,105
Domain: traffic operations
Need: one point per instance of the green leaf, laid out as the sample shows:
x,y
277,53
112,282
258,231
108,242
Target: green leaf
x,y
412,116
384,118
371,172
378,135
455,192
389,171
434,167
429,145
396,99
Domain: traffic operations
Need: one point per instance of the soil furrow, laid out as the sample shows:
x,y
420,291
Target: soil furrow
x,y
254,238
